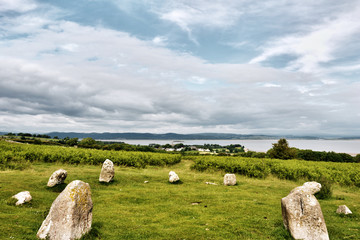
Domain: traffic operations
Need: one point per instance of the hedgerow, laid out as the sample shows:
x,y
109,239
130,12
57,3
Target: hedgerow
x,y
17,156
341,173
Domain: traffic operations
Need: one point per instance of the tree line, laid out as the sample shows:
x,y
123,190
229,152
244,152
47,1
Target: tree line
x,y
279,150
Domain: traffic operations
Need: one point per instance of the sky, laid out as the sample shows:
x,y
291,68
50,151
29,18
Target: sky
x,y
182,66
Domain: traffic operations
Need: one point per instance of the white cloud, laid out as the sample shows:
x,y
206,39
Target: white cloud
x,y
319,45
197,80
272,85
17,5
205,14
348,68
160,40
213,14
71,47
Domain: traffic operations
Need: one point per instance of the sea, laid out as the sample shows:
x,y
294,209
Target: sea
x,y
340,146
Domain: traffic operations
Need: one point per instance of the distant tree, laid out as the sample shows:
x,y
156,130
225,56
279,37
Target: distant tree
x,y
179,145
71,141
281,150
357,158
41,136
167,146
25,134
88,141
154,145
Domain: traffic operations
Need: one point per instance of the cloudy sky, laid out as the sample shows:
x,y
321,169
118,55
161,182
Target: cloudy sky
x,y
184,66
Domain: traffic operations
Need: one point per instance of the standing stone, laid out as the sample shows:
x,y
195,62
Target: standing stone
x,y
22,197
70,215
302,213
312,187
343,209
107,171
58,177
229,179
173,177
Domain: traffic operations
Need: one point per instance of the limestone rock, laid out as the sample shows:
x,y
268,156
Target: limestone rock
x,y
302,213
173,177
229,179
210,183
57,177
343,209
70,215
311,187
22,197
107,171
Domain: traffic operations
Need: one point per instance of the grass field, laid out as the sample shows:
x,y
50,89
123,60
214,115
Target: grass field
x,y
128,208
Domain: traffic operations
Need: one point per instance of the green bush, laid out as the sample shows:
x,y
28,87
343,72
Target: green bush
x,y
324,156
18,156
357,158
326,189
341,173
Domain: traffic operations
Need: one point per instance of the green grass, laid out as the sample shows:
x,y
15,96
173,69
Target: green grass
x,y
128,208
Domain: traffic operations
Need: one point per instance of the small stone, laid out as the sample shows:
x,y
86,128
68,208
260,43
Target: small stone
x,y
70,215
58,177
22,197
210,183
229,179
343,209
107,171
173,177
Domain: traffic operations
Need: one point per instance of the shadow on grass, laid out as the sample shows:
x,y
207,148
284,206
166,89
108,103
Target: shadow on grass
x,y
176,183
94,232
57,188
280,231
112,182
343,215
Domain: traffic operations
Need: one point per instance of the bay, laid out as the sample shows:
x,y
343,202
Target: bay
x,y
340,146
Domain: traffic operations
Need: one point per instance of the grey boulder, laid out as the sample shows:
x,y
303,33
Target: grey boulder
x,y
343,209
57,177
302,214
70,215
107,171
229,179
173,177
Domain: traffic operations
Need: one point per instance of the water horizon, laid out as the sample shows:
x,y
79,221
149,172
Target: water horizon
x,y
260,145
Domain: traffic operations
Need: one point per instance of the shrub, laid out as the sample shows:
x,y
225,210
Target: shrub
x,y
357,158
341,173
18,156
326,189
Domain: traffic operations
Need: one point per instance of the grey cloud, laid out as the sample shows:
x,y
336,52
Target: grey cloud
x,y
135,86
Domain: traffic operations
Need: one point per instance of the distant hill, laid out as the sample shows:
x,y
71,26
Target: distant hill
x,y
169,136
176,136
